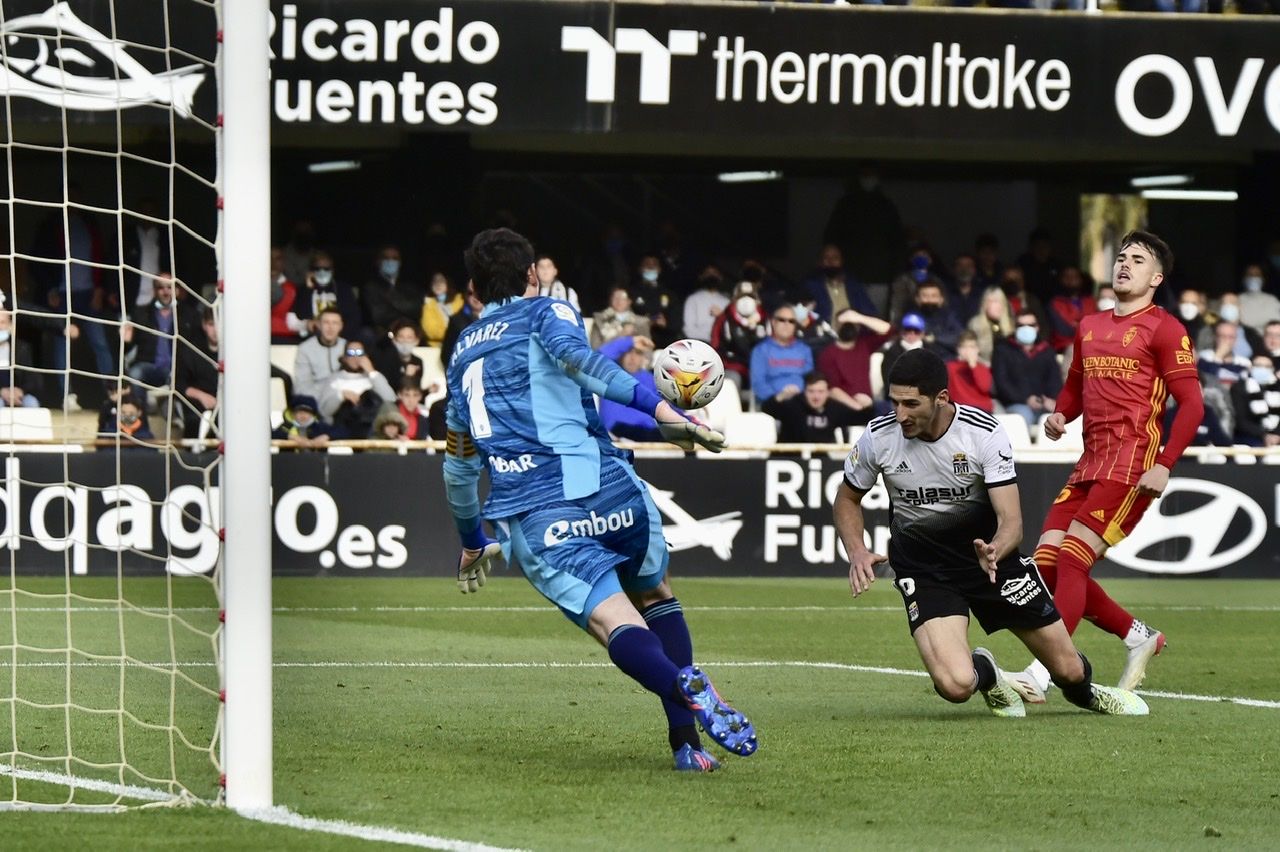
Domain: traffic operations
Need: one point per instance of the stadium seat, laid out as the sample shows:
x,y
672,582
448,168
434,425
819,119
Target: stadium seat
x,y
26,424
750,429
284,356
1072,439
432,368
1016,426
726,404
877,380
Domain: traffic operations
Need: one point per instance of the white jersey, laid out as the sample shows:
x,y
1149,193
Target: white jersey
x,y
937,489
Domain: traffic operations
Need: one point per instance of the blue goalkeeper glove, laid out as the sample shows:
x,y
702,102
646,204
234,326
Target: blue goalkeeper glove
x,y
474,564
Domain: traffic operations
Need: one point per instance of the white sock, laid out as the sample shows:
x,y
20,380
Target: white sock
x,y
1040,673
1138,633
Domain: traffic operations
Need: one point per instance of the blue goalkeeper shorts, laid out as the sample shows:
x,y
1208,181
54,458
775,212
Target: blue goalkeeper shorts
x,y
579,552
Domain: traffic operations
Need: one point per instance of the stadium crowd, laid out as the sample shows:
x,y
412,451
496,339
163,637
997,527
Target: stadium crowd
x,y
813,352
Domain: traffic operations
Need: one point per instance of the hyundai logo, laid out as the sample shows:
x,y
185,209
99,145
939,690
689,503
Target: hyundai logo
x,y
1204,526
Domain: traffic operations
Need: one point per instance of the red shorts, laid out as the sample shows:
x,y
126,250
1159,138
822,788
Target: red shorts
x,y
1110,509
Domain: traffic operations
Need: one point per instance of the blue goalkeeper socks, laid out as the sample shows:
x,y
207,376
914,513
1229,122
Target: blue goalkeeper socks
x,y
638,653
666,620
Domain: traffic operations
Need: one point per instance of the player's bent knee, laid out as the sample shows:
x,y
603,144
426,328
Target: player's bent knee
x,y
953,689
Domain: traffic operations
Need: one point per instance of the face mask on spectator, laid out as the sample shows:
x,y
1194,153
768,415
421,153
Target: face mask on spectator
x,y
1188,310
1229,312
303,419
323,277
623,316
1252,283
1264,375
649,275
745,306
390,267
1025,334
802,315
848,332
1106,304
4,336
404,349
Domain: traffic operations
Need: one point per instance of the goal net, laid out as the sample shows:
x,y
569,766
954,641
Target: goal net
x,y
112,398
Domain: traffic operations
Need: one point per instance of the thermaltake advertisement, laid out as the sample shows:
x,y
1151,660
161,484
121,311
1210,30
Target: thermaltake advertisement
x,y
385,515
771,70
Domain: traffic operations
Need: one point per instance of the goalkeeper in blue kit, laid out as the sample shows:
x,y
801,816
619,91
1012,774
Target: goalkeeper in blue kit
x,y
566,504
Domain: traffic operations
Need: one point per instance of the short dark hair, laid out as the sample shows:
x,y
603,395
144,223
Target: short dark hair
x,y
1270,323
1159,248
400,322
498,262
814,376
408,382
920,369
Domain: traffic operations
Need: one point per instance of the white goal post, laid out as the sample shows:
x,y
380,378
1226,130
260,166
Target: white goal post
x,y
246,492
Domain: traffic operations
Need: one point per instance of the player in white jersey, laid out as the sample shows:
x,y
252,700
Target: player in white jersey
x,y
955,527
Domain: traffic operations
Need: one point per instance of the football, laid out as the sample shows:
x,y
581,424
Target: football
x,y
688,374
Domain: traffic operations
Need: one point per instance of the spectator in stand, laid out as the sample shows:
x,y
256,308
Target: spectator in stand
x,y
617,320
150,334
549,283
1105,297
705,305
833,289
441,303
633,353
910,336
816,332
1191,308
1027,374
298,250
318,356
653,299
389,424
1271,341
988,269
847,362
18,383
1247,341
1040,269
942,329
196,375
1068,307
126,418
302,424
1257,308
995,322
963,294
284,293
1220,368
352,396
811,417
323,290
867,227
470,312
902,292
1020,300
409,402
737,332
388,296
146,253
393,355
780,361
970,380
1256,403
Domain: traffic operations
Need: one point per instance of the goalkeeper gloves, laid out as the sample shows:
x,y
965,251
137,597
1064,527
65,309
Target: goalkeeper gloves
x,y
687,435
474,564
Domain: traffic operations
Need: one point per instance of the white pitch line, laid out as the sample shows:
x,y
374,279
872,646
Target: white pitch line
x,y
274,816
749,664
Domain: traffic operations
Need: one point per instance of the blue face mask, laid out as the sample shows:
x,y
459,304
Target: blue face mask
x,y
802,315
4,336
389,267
1026,335
1263,375
649,275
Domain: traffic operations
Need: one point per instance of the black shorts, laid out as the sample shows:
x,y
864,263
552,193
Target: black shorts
x,y
1018,597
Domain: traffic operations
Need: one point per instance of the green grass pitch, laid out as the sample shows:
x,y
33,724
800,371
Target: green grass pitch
x,y
490,719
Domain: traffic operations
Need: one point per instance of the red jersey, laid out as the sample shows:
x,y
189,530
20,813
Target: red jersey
x,y
1120,370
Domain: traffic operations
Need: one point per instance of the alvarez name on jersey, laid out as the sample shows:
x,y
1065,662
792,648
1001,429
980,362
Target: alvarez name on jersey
x,y
937,489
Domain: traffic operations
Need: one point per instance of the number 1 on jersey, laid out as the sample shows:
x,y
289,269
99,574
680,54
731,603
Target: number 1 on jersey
x,y
473,387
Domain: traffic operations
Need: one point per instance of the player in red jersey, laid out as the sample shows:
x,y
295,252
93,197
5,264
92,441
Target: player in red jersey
x,y
1125,364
